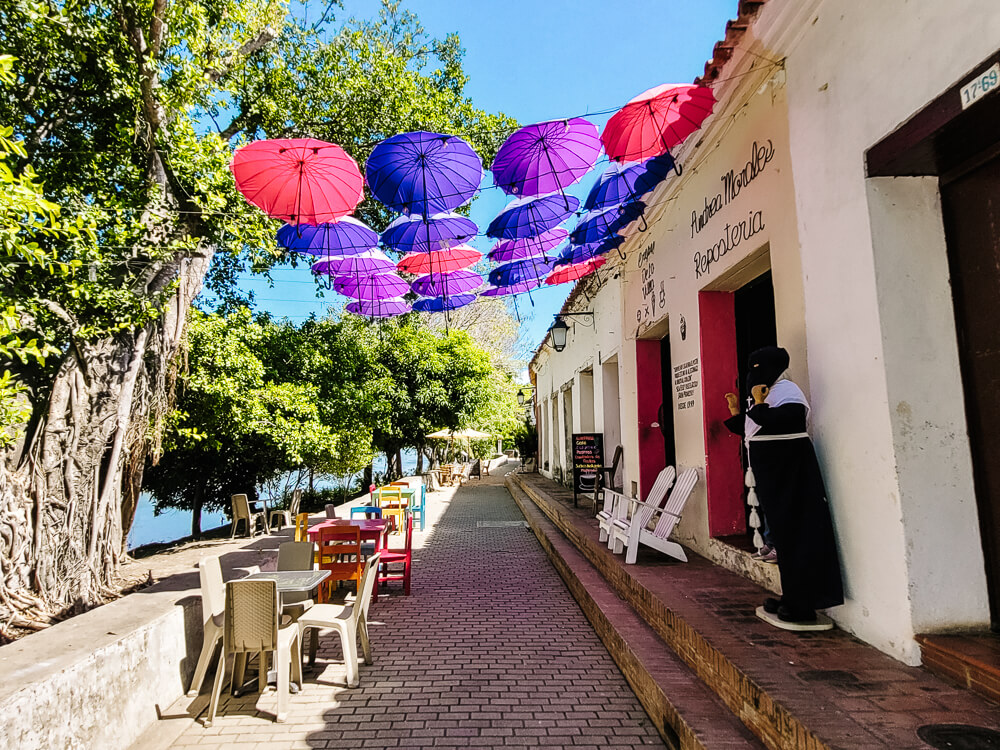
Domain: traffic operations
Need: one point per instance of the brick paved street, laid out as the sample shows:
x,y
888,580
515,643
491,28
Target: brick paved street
x,y
490,650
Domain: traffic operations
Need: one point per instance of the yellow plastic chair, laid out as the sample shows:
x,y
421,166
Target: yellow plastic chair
x,y
302,527
393,504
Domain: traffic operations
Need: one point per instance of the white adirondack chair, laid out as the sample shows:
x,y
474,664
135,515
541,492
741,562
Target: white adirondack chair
x,y
636,533
616,505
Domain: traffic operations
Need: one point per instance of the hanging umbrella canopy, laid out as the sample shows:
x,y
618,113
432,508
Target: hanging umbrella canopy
x,y
421,234
529,269
596,226
440,304
622,183
529,247
656,121
452,259
423,173
446,284
360,264
580,253
378,308
344,237
519,288
299,180
373,287
574,272
546,157
468,434
531,217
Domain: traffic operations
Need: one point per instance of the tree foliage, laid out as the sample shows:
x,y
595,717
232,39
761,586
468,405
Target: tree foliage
x,y
128,111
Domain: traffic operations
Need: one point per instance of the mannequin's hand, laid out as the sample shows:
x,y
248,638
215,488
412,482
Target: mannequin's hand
x,y
759,393
733,402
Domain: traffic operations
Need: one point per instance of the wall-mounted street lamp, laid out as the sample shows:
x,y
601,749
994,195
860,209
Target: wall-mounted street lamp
x,y
558,331
524,395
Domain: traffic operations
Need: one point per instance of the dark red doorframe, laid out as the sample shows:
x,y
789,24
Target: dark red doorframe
x,y
719,374
649,393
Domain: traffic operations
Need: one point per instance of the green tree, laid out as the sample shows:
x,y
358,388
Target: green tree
x,y
113,105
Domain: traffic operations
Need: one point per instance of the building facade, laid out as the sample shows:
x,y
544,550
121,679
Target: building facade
x,y
843,201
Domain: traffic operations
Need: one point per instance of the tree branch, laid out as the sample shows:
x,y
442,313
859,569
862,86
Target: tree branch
x,y
265,37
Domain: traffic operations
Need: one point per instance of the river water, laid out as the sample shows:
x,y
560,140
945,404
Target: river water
x,y
174,524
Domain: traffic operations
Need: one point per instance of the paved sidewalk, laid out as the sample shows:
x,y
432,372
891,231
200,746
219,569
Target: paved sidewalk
x,y
490,650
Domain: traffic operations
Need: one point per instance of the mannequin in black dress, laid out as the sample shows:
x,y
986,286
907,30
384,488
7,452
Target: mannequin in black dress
x,y
789,487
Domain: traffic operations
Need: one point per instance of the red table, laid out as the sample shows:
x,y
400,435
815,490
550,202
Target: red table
x,y
372,529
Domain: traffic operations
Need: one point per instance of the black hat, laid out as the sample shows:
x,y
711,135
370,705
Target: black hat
x,y
766,366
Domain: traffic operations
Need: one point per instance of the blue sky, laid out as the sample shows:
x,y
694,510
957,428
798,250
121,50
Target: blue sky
x,y
540,60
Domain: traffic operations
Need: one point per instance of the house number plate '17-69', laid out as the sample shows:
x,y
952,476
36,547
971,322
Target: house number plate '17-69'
x,y
980,86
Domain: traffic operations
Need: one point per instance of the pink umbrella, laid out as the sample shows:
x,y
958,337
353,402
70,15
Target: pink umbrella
x,y
575,271
452,259
299,180
656,121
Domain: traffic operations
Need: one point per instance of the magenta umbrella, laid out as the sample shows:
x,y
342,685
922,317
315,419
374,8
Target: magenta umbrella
x,y
378,308
375,286
546,157
445,284
519,288
529,247
366,263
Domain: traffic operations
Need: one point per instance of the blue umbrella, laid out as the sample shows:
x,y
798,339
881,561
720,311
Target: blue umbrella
x,y
440,304
422,234
530,217
580,253
423,173
344,237
595,226
622,183
530,269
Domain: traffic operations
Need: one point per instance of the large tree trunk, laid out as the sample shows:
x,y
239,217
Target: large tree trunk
x,y
66,509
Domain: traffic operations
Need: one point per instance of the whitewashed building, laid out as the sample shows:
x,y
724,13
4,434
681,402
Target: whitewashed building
x,y
843,201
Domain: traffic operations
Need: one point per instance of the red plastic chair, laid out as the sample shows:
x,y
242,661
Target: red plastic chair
x,y
402,557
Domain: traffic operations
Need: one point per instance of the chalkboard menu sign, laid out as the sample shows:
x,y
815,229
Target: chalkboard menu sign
x,y
588,460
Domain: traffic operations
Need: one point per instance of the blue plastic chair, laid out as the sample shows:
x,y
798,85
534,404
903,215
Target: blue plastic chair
x,y
417,506
368,511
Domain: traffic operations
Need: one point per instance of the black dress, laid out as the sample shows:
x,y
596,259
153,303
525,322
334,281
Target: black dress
x,y
792,495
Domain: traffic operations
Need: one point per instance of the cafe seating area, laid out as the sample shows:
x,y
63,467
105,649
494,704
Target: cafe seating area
x,y
326,579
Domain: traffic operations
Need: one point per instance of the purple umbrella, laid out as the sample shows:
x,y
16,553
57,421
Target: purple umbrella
x,y
423,173
378,308
530,217
580,253
546,157
440,304
422,234
376,286
361,264
518,288
622,183
446,284
530,269
529,247
344,237
595,226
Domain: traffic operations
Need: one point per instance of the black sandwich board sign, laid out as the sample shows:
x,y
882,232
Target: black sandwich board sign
x,y
588,461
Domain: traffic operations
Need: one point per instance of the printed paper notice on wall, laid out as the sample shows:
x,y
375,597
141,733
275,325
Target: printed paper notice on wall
x,y
980,86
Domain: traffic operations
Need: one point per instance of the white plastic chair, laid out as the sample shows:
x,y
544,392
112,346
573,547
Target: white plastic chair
x,y
666,519
213,607
350,620
295,556
251,627
285,516
617,506
241,512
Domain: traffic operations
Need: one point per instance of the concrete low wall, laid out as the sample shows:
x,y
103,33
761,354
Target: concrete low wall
x,y
99,679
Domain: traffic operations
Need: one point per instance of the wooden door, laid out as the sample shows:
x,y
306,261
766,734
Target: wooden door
x,y
971,208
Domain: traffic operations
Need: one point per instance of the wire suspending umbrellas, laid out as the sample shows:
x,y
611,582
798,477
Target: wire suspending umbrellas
x,y
656,120
423,173
546,157
298,180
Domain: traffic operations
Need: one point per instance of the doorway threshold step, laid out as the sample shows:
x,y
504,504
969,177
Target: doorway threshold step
x,y
971,660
